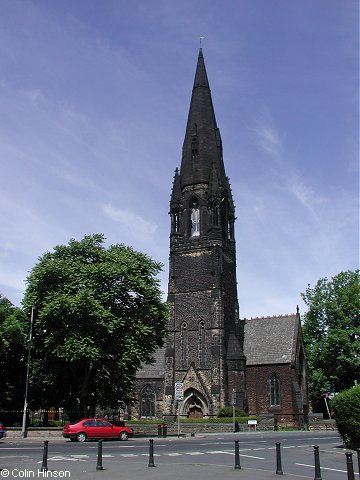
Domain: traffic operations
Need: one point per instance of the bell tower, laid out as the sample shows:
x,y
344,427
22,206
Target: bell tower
x,y
204,346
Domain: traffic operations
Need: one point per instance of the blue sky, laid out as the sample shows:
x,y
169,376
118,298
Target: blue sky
x,y
94,97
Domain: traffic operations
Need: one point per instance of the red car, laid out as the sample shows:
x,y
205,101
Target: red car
x,y
89,428
2,431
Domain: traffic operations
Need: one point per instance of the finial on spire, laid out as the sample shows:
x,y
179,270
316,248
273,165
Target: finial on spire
x,y
201,39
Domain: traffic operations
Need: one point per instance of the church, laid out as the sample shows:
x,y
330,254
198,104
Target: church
x,y
217,358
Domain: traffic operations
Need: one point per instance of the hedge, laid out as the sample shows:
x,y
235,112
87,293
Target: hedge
x,y
346,407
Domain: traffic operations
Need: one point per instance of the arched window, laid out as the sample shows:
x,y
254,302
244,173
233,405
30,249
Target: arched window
x,y
147,402
184,343
202,343
194,219
274,390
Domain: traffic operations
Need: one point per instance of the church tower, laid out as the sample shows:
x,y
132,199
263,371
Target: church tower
x,y
204,346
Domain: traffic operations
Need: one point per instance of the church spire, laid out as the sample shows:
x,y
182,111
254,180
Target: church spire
x,y
202,148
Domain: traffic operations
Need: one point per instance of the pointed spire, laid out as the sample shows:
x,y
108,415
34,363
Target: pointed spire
x,y
201,79
202,144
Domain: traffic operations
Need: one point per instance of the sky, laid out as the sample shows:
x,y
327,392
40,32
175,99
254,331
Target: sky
x,y
94,98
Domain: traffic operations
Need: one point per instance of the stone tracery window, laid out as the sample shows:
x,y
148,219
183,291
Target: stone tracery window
x,y
274,390
147,402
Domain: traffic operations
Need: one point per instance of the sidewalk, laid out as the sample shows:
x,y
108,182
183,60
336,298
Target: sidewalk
x,y
136,470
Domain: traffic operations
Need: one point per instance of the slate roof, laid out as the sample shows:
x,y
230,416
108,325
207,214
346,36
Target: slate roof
x,y
156,369
270,340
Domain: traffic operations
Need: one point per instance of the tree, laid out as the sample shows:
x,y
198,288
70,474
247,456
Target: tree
x,y
98,316
13,335
332,334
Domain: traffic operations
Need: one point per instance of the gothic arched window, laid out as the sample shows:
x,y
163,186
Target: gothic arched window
x,y
184,343
274,390
202,343
195,219
147,402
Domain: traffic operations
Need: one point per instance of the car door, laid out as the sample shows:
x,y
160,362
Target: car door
x,y
105,428
90,428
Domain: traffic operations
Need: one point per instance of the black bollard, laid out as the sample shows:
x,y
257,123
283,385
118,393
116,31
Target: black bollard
x,y
237,456
278,460
358,457
151,454
44,466
349,466
99,465
317,463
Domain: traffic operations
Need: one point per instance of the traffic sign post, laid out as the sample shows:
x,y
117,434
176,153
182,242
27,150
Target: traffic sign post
x,y
179,397
179,391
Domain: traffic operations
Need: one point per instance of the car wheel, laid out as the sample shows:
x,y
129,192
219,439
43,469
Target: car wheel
x,y
81,437
123,436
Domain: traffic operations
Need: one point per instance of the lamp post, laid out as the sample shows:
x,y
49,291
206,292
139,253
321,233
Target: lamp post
x,y
233,405
23,428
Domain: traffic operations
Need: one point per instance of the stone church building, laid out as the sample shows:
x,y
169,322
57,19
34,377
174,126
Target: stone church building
x,y
220,359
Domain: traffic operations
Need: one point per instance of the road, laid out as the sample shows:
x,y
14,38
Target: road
x,y
203,456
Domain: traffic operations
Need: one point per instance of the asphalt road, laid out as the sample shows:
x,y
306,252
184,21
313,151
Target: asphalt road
x,y
203,456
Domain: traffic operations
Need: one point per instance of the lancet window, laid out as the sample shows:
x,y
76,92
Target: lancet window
x,y
194,219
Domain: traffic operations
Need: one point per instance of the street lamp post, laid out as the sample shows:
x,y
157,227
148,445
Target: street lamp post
x,y
23,428
233,405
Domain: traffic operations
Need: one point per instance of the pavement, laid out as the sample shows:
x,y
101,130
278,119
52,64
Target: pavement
x,y
134,469
131,470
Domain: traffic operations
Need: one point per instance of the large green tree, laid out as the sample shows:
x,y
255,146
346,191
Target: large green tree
x,y
98,316
332,334
14,328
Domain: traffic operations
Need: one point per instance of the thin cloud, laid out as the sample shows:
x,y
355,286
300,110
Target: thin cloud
x,y
268,138
131,221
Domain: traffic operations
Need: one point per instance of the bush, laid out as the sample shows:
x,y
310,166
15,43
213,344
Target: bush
x,y
228,412
346,407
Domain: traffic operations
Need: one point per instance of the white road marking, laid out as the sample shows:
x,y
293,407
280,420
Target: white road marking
x,y
322,468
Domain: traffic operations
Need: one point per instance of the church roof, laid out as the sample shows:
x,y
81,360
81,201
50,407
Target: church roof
x,y
156,369
270,340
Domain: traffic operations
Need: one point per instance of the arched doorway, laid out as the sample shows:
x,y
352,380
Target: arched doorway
x,y
194,404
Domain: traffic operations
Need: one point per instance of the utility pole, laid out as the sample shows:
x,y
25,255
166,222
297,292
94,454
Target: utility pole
x,y
24,428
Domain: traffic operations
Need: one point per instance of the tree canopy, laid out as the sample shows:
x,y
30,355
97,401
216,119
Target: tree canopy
x,y
13,336
98,316
332,333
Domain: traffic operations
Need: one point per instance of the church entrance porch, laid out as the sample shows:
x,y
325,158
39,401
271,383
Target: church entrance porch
x,y
194,404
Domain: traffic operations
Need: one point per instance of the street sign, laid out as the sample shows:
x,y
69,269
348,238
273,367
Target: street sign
x,y
179,391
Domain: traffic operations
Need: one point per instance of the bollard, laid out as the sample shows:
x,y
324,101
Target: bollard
x,y
358,457
151,454
99,465
317,463
278,460
159,430
349,466
237,456
44,466
164,430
